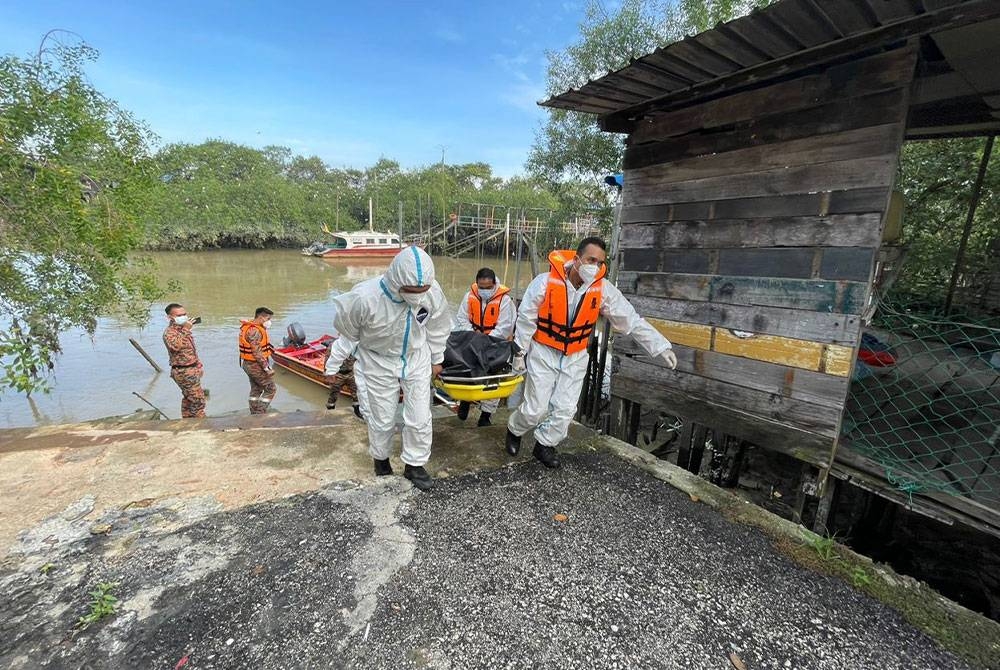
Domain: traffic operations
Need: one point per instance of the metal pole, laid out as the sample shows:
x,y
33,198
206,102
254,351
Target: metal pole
x,y
977,189
400,204
162,413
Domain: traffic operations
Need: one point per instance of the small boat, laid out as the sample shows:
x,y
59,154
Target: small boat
x,y
306,360
314,249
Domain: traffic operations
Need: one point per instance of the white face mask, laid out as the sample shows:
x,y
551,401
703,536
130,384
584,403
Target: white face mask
x,y
180,320
414,299
267,324
588,273
487,293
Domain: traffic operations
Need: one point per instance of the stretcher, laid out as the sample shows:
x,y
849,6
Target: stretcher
x,y
474,389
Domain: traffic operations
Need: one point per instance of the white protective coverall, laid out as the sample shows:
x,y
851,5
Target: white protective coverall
x,y
398,341
553,381
503,330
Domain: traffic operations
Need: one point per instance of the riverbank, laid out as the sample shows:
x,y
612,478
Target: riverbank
x,y
266,541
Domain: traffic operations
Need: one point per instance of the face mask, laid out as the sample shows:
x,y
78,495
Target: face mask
x,y
180,320
588,273
267,324
414,299
487,293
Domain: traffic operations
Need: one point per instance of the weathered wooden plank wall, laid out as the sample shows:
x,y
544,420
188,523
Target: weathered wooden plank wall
x,y
750,227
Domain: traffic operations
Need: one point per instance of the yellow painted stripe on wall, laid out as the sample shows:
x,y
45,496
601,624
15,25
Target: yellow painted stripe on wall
x,y
688,334
838,360
832,359
771,348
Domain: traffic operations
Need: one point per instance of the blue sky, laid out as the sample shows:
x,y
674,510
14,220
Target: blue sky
x,y
349,82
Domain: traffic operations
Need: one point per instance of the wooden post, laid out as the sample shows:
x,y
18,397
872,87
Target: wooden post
x,y
145,355
634,416
977,189
826,508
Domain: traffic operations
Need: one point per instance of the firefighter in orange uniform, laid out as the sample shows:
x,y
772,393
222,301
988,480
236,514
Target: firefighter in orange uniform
x,y
255,359
554,323
486,308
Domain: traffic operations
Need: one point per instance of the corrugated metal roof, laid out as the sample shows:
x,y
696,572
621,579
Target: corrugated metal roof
x,y
771,41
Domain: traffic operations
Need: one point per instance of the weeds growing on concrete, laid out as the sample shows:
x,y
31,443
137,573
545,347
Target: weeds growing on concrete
x,y
102,604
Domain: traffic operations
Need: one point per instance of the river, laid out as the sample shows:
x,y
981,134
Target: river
x,y
96,375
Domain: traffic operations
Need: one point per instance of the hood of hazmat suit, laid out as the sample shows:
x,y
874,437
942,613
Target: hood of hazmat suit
x,y
396,331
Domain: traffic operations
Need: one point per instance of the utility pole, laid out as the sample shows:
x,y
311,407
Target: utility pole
x,y
400,203
442,147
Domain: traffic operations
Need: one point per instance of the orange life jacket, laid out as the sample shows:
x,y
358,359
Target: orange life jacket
x,y
557,328
485,320
246,349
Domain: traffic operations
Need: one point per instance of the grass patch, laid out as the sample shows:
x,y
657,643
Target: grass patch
x,y
102,604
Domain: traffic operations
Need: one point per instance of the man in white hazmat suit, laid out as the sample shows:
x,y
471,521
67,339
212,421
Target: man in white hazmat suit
x,y
554,323
401,323
486,308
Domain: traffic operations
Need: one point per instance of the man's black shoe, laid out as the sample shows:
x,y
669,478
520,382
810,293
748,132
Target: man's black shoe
x,y
463,411
419,477
357,412
513,443
546,454
484,419
382,468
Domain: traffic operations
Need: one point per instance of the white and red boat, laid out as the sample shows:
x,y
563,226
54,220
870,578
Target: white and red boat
x,y
360,244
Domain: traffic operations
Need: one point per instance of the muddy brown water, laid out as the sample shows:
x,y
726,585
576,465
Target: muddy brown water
x,y
96,375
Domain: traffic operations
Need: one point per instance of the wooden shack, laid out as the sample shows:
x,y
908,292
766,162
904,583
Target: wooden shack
x,y
760,161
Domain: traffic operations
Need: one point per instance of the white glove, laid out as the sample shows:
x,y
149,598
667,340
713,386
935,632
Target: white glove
x,y
517,365
670,358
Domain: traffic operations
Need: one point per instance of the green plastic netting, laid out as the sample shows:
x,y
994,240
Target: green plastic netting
x,y
924,402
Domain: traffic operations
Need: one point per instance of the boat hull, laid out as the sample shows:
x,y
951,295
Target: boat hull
x,y
360,253
307,361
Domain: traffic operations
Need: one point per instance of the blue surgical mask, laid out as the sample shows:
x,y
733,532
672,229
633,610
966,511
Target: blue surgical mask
x,y
181,320
487,293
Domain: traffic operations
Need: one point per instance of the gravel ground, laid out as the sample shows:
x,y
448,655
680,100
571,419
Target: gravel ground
x,y
476,574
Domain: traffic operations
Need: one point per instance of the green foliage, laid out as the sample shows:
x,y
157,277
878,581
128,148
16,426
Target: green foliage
x,y
936,178
860,577
74,177
220,194
102,604
825,547
569,144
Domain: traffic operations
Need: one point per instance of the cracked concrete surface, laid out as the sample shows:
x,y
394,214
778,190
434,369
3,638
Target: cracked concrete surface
x,y
389,549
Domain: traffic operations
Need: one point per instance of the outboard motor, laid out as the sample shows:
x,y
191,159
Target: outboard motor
x,y
296,335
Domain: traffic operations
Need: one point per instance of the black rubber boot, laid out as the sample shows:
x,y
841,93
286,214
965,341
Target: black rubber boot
x,y
513,443
382,468
463,411
484,419
546,454
357,412
419,477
